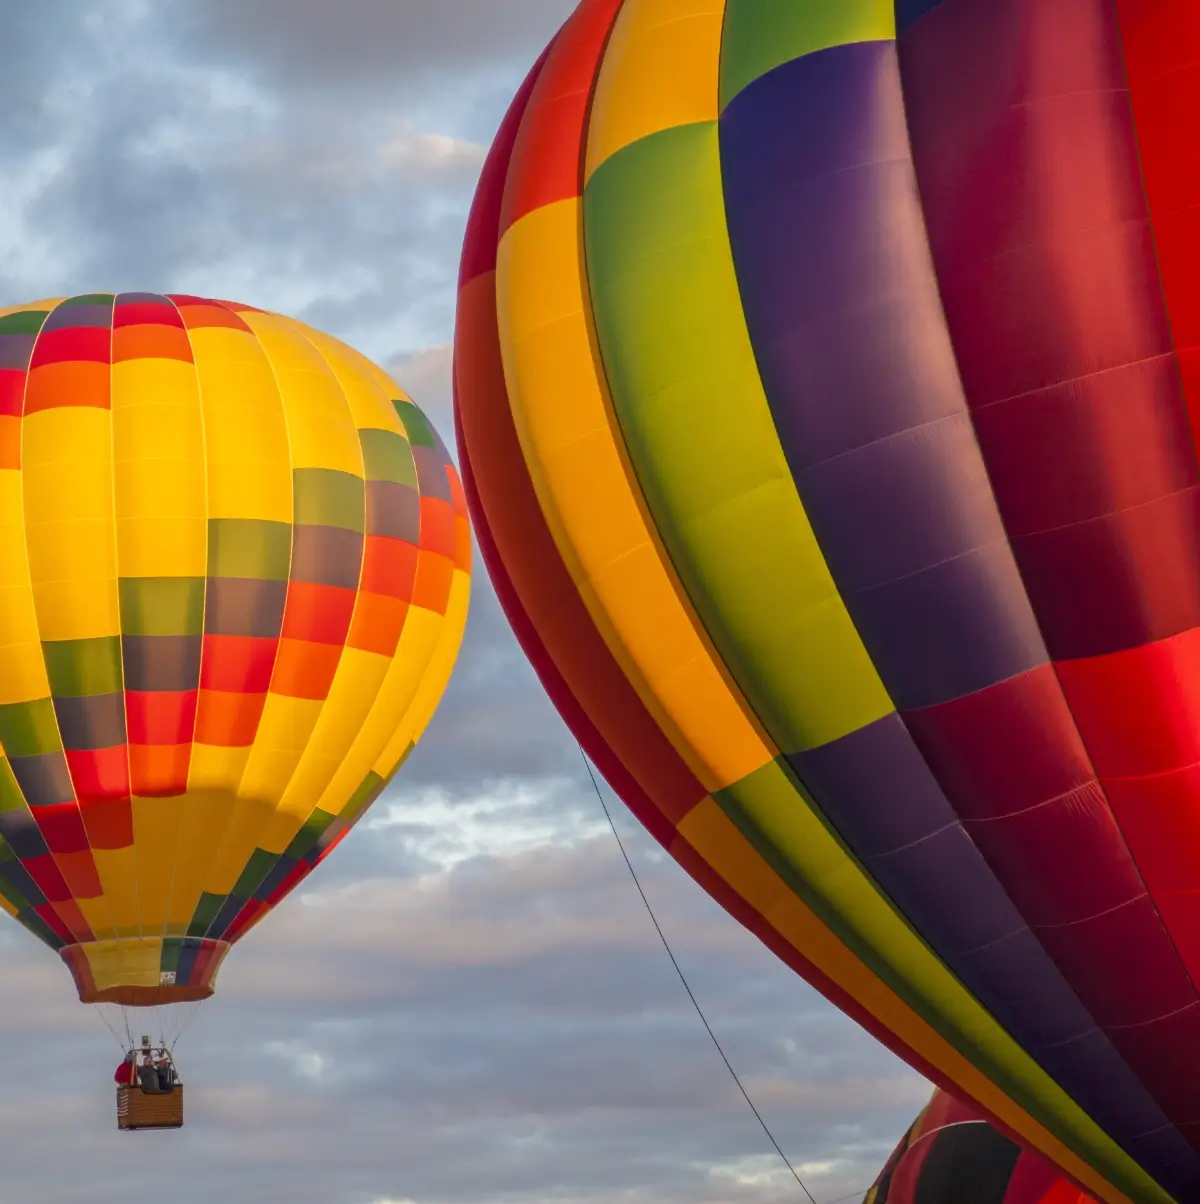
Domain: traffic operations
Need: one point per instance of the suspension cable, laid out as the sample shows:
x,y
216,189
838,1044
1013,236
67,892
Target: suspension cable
x,y
191,1015
104,1018
683,979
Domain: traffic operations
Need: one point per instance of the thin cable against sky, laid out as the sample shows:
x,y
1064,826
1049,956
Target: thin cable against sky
x,y
683,979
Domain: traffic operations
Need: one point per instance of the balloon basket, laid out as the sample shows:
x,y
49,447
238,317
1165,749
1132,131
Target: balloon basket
x,y
137,1109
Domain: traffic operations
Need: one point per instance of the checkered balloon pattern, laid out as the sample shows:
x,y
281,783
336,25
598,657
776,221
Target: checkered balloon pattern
x,y
236,567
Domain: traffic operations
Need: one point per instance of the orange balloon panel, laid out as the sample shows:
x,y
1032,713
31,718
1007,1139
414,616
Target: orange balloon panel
x,y
236,570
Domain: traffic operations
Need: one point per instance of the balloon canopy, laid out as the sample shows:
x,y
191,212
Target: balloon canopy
x,y
234,571
825,375
951,1155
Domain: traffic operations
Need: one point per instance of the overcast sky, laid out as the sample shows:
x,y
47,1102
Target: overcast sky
x,y
468,1002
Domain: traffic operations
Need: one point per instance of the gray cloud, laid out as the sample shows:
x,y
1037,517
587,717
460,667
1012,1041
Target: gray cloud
x,y
307,43
467,1002
149,160
504,1029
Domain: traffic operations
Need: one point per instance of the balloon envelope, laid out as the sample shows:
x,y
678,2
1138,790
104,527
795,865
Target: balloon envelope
x,y
234,568
825,375
951,1155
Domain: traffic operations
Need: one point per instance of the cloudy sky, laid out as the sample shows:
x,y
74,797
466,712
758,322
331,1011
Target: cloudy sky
x,y
469,1003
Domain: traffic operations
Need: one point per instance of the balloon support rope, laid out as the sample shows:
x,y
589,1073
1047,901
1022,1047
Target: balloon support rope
x,y
104,1019
695,1003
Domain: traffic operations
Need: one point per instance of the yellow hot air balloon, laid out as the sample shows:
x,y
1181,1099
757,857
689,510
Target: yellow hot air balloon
x,y
235,573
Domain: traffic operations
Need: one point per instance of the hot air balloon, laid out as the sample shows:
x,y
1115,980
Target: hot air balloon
x,y
825,382
235,568
951,1155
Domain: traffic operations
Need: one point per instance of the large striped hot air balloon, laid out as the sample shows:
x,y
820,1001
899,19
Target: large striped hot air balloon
x,y
234,563
825,374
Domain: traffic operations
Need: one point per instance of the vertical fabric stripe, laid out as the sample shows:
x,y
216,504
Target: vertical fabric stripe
x,y
1083,363
249,484
1161,45
1161,54
29,733
327,498
161,536
555,629
67,482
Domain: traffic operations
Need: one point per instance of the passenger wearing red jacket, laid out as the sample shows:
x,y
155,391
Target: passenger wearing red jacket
x,y
126,1073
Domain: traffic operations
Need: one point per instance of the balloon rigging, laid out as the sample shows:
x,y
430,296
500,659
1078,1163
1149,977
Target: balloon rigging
x,y
237,575
686,985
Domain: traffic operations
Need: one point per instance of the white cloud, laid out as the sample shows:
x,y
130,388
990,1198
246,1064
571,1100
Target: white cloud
x,y
304,1061
421,150
511,818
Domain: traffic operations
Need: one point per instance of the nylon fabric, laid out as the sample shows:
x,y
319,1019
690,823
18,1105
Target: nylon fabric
x,y
238,561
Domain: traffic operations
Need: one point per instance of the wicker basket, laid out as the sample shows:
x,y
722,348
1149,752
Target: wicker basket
x,y
138,1110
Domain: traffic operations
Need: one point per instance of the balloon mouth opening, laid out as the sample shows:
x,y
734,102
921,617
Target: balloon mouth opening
x,y
145,971
146,997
